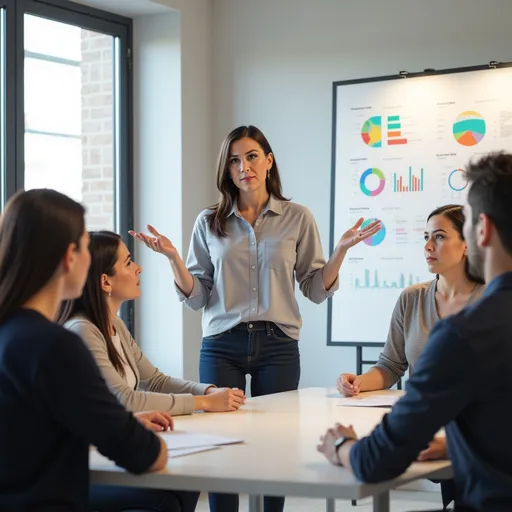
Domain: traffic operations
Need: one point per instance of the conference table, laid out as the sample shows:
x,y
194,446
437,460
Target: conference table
x,y
278,456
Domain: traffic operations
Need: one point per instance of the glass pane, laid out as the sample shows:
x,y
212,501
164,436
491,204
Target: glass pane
x,y
60,112
47,37
69,116
43,170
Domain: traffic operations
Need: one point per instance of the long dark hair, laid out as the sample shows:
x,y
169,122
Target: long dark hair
x,y
36,229
93,303
455,214
228,190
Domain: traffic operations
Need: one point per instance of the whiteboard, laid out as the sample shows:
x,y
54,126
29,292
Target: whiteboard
x,y
399,150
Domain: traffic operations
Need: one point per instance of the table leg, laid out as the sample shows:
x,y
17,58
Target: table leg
x,y
330,506
255,503
381,502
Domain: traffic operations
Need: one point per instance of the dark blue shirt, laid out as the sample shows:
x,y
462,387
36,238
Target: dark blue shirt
x,y
53,404
463,380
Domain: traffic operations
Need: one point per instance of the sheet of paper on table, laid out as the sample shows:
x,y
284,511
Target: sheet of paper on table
x,y
370,401
177,440
180,452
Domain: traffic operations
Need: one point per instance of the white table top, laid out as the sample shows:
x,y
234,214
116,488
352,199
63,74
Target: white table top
x,y
279,455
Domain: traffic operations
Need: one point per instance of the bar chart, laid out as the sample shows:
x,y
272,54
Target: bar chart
x,y
395,131
372,281
414,182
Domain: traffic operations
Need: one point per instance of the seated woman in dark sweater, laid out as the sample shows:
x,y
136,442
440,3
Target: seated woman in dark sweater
x,y
53,401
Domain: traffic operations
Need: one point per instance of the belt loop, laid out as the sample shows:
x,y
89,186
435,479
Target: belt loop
x,y
269,329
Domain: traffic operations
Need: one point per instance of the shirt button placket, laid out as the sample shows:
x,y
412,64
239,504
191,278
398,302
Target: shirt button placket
x,y
253,279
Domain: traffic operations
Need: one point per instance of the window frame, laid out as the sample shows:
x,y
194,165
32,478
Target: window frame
x,y
92,19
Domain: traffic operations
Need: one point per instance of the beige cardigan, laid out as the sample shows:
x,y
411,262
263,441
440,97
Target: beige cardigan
x,y
153,389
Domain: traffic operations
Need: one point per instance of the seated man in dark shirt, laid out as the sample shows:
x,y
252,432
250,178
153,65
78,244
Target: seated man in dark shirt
x,y
463,379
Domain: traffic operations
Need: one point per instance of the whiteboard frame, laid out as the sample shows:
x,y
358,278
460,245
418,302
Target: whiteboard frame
x,y
333,237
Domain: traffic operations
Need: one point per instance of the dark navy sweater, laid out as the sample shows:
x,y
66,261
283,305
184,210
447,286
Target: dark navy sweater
x,y
54,404
463,379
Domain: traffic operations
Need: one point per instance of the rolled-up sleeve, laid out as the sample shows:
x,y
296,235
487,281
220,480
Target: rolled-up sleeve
x,y
311,261
200,266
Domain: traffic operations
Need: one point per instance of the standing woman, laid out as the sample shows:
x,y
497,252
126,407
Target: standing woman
x,y
245,254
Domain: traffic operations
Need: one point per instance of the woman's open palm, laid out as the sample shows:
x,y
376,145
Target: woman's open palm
x,y
158,242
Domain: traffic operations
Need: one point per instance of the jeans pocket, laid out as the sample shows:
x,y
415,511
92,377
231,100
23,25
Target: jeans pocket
x,y
216,336
279,335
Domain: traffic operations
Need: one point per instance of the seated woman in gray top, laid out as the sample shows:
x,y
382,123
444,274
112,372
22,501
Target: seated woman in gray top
x,y
113,279
420,306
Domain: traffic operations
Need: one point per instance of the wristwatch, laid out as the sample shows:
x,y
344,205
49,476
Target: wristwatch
x,y
338,444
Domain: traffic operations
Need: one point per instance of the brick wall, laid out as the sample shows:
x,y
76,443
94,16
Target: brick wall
x,y
97,130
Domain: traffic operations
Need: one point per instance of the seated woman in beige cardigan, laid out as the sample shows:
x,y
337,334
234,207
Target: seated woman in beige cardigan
x,y
113,279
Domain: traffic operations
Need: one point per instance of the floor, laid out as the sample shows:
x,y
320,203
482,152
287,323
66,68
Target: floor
x,y
401,501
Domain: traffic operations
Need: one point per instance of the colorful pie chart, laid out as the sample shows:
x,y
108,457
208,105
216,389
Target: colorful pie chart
x,y
371,132
469,128
376,239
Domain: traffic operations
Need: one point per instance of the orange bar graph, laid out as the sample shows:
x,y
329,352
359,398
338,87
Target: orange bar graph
x,y
396,142
395,134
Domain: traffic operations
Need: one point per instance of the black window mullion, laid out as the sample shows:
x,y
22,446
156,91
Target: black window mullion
x,y
125,221
8,184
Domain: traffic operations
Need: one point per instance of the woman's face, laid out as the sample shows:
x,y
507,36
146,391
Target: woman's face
x,y
124,284
248,165
444,247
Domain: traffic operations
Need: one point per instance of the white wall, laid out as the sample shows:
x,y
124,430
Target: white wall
x,y
157,183
173,159
274,64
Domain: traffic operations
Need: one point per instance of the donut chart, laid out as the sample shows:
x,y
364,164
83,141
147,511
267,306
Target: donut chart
x,y
372,171
456,180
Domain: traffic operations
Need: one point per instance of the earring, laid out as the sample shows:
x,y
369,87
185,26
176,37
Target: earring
x,y
110,294
268,174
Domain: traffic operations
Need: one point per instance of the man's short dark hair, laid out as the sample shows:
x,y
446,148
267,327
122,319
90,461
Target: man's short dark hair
x,y
490,178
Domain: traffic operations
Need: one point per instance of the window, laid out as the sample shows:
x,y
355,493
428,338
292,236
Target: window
x,y
70,126
65,107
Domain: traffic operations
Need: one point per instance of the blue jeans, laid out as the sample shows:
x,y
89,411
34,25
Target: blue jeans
x,y
109,498
270,357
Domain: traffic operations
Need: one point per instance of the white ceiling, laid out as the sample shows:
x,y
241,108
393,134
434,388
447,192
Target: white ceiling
x,y
130,8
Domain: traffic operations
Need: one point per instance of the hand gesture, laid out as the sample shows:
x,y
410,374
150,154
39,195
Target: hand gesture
x,y
157,421
223,399
158,243
355,235
348,384
326,445
436,450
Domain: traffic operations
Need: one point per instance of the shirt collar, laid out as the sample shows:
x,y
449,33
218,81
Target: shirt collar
x,y
503,281
274,205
